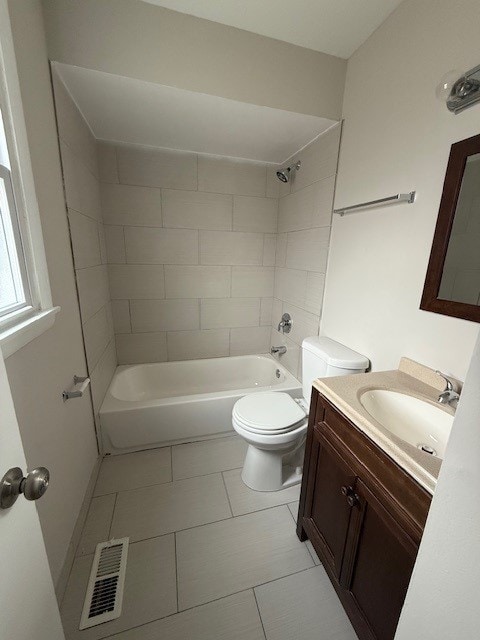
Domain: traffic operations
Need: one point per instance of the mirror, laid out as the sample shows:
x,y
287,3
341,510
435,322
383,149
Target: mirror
x,y
452,283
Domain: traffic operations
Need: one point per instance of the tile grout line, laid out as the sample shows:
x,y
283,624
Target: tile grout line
x,y
176,566
259,613
226,493
113,515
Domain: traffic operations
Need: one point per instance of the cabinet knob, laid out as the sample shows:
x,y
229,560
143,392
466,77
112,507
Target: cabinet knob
x,y
352,500
346,491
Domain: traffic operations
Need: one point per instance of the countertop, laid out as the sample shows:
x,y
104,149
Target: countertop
x,y
411,378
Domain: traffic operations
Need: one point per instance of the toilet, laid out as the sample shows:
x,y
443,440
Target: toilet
x,y
275,425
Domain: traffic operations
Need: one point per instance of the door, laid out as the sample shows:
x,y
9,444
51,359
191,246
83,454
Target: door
x,y
378,563
28,607
328,511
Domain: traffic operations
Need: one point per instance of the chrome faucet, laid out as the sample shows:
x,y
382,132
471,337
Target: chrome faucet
x,y
285,323
278,350
451,394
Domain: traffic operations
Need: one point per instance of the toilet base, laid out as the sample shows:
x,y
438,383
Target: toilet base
x,y
272,470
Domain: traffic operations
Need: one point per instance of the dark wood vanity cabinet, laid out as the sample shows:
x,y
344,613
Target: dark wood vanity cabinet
x,y
364,516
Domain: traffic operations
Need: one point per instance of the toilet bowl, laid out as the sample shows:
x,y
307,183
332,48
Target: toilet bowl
x,y
274,424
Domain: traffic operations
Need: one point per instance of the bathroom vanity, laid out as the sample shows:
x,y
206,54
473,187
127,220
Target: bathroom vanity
x,y
362,510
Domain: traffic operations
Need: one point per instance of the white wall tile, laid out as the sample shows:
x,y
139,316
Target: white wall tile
x,y
102,375
97,334
230,247
85,241
146,245
281,250
196,210
266,307
107,162
150,167
314,293
136,282
291,360
273,183
115,244
290,286
319,159
252,282
304,324
81,186
197,281
252,340
216,313
134,348
269,249
128,205
164,315
277,310
191,345
324,193
308,250
93,290
121,316
224,175
305,209
255,214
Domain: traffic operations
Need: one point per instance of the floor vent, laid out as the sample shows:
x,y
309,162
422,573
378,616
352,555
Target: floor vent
x,y
103,600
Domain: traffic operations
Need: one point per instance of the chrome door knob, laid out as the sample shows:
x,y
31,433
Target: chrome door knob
x,y
13,484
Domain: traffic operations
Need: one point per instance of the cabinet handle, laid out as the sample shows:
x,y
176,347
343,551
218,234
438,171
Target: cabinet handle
x,y
346,491
353,500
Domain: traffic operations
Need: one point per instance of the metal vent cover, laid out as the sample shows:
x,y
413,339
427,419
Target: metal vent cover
x,y
104,596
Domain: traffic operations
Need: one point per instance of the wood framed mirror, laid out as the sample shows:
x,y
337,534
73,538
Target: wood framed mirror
x,y
452,283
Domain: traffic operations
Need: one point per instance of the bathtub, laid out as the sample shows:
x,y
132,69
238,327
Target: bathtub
x,y
152,405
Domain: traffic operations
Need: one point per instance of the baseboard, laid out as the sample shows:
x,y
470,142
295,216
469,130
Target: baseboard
x,y
77,532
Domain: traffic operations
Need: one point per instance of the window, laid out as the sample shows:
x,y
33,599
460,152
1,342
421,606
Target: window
x,y
14,288
26,308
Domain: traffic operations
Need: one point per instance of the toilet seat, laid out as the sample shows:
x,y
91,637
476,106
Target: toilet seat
x,y
269,413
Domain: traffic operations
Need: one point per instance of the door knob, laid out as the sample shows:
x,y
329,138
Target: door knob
x,y
352,500
13,484
346,491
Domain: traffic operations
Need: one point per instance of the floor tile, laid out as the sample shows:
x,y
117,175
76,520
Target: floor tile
x,y
210,456
150,590
301,607
219,559
164,508
133,470
293,506
232,618
245,500
97,524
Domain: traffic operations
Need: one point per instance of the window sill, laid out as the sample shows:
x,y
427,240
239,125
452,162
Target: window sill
x,y
16,337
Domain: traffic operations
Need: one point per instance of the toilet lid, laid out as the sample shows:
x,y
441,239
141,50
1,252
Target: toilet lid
x,y
268,411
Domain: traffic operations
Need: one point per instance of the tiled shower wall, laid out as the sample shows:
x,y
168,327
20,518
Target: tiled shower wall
x,y
191,252
82,191
304,221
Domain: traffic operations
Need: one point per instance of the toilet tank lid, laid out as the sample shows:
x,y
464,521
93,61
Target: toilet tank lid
x,y
335,354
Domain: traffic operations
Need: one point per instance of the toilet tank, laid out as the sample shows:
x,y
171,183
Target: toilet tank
x,y
323,358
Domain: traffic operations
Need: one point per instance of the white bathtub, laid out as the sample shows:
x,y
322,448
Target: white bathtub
x,y
151,405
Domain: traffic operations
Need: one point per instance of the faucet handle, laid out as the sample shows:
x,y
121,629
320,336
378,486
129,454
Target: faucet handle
x,y
450,383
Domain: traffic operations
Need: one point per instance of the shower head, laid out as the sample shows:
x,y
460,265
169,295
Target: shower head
x,y
284,174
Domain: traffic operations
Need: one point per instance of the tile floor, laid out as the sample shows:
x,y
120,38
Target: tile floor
x,y
209,559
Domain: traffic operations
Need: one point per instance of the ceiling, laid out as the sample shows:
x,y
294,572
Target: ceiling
x,y
127,110
337,27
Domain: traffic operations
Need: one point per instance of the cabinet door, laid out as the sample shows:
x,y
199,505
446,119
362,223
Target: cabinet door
x,y
327,512
378,563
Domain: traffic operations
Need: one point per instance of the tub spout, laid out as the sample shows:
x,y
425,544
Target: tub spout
x,y
278,350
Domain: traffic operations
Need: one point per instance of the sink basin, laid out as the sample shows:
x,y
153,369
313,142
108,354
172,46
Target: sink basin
x,y
415,421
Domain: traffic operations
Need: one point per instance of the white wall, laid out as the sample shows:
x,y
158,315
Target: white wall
x,y
442,599
140,40
396,138
191,250
55,434
304,218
